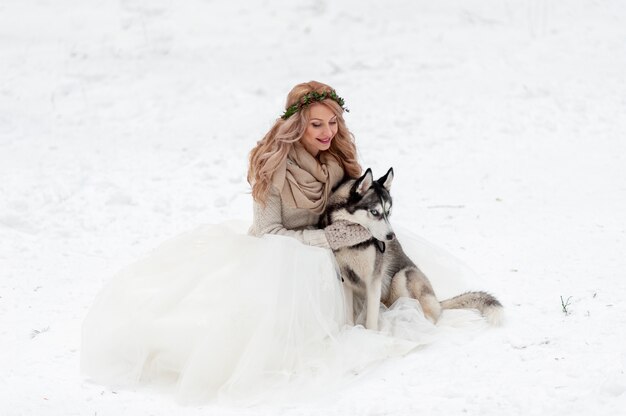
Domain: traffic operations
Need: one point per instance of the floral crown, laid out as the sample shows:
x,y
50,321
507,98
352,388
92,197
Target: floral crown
x,y
312,97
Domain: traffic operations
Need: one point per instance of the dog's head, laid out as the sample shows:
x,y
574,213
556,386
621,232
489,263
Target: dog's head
x,y
369,204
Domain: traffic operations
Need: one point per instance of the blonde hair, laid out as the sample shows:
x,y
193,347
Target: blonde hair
x,y
272,150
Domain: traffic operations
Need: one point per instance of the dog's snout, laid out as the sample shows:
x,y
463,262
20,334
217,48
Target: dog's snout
x,y
391,236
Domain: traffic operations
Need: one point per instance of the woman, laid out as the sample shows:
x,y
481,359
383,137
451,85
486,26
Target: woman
x,y
295,166
216,313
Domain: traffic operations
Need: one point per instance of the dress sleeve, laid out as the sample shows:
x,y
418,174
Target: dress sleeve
x,y
268,220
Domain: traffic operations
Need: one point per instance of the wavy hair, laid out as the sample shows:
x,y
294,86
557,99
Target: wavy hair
x,y
272,150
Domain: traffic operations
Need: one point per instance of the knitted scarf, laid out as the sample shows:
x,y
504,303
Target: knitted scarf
x,y
307,182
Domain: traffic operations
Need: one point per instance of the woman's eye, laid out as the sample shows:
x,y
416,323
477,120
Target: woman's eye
x,y
316,125
374,212
333,123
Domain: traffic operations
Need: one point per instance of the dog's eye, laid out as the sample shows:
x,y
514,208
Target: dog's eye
x,y
374,212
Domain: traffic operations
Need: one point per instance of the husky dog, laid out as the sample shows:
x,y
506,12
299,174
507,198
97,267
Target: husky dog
x,y
378,269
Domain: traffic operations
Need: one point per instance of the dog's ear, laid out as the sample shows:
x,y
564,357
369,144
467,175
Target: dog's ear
x,y
385,181
364,182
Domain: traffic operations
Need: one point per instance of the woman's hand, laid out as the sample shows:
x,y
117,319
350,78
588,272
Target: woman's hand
x,y
345,234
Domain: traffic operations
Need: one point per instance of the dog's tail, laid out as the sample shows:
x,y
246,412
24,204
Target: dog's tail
x,y
488,306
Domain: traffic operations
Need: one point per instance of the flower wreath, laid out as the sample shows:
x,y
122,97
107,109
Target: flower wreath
x,y
312,97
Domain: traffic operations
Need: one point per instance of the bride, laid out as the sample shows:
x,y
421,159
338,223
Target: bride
x,y
218,313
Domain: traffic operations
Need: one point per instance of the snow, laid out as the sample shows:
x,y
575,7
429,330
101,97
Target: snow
x,y
125,123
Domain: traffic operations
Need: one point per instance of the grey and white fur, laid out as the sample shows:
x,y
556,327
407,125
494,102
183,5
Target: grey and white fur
x,y
378,270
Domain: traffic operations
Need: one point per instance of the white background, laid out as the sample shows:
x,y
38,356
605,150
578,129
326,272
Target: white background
x,y
123,123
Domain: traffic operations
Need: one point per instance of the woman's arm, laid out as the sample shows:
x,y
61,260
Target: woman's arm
x,y
267,219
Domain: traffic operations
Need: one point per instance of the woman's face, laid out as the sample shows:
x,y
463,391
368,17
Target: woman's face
x,y
320,130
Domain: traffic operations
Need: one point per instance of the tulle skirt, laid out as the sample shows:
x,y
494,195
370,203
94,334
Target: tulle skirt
x,y
216,314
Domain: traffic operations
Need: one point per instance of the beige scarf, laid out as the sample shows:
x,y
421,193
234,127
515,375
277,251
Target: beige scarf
x,y
306,182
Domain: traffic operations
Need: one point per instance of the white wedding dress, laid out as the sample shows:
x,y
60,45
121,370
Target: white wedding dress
x,y
216,314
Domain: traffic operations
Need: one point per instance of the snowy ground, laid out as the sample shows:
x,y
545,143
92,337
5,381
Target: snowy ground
x,y
123,123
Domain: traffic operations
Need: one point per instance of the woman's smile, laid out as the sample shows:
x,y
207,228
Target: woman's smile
x,y
321,129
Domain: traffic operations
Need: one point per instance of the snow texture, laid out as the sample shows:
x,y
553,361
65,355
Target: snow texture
x,y
123,123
